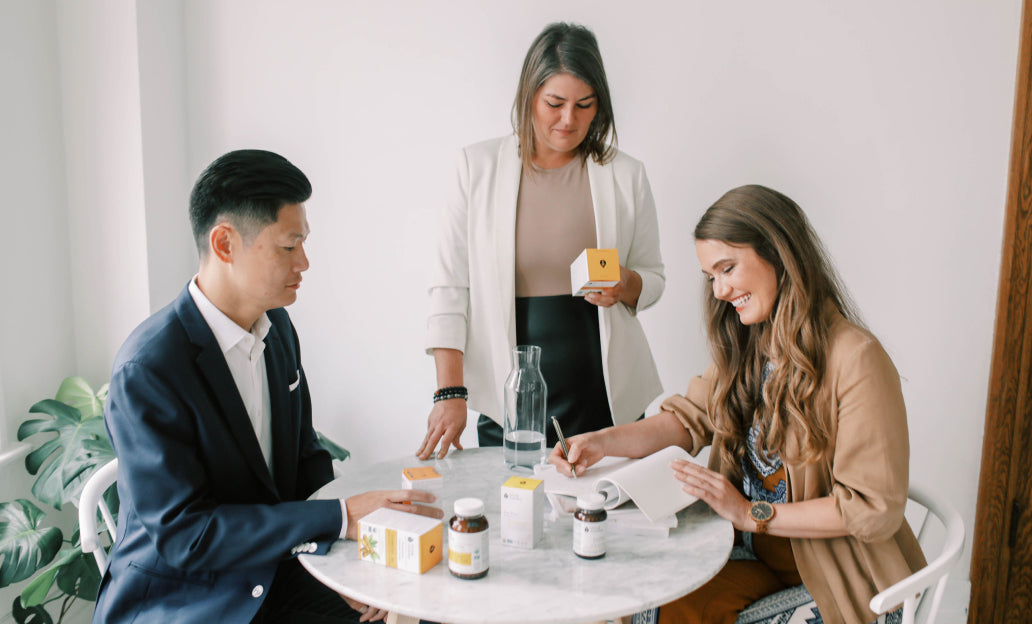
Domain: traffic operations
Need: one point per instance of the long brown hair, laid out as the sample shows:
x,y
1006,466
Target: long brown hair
x,y
563,48
794,337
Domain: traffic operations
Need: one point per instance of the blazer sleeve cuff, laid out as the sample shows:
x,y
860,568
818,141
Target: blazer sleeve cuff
x,y
652,286
343,519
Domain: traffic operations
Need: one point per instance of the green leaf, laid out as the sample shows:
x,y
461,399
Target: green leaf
x,y
24,546
29,615
335,450
79,577
76,392
68,459
36,591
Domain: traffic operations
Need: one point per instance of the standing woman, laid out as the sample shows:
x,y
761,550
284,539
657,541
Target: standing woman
x,y
523,208
805,413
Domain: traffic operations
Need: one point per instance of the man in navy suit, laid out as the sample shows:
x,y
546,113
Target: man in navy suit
x,y
210,418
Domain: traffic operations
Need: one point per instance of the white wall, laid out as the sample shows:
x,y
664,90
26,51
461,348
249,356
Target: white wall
x,y
36,331
888,122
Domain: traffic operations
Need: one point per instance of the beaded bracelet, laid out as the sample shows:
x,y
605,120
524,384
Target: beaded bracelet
x,y
451,392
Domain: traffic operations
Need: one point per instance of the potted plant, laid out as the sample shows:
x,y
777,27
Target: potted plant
x,y
62,465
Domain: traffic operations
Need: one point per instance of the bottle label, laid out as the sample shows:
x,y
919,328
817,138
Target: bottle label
x,y
467,552
589,538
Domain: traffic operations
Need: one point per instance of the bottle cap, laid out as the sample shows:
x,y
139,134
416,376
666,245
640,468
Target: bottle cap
x,y
469,507
591,502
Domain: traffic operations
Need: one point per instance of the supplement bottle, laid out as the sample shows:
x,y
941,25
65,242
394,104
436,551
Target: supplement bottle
x,y
468,546
589,527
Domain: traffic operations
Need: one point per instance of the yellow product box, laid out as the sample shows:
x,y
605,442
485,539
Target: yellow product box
x,y
593,270
523,508
400,540
425,478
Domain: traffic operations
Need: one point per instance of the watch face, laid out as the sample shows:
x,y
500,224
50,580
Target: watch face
x,y
761,511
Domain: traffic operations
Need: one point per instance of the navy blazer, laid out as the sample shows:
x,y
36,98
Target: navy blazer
x,y
202,525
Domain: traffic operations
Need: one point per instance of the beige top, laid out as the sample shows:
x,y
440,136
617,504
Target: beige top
x,y
555,222
866,471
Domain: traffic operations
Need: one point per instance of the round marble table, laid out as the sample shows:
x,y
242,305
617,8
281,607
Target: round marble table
x,y
545,584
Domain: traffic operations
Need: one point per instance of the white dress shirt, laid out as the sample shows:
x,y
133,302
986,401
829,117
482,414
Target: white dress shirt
x,y
245,355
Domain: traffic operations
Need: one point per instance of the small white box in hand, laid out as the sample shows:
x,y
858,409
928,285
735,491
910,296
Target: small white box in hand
x,y
593,270
523,505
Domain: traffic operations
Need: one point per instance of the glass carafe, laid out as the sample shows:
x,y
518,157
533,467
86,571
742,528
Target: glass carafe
x,y
526,396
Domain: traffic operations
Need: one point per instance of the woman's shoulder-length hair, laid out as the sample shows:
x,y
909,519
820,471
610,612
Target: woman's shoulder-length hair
x,y
564,48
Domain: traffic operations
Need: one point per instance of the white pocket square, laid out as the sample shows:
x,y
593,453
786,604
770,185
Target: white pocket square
x,y
296,383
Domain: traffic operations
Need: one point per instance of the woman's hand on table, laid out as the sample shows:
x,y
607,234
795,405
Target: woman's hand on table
x,y
586,450
369,614
445,424
627,290
402,500
718,492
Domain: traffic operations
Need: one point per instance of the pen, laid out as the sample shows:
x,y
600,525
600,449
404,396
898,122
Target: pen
x,y
562,443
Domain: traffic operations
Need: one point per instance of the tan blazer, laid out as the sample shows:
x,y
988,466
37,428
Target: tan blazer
x,y
472,292
866,470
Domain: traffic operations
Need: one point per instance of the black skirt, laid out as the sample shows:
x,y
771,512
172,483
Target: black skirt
x,y
566,329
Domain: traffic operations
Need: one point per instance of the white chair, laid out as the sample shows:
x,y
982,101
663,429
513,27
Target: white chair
x,y
910,591
937,570
90,500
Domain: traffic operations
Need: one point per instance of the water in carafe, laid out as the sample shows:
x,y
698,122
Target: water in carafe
x,y
526,396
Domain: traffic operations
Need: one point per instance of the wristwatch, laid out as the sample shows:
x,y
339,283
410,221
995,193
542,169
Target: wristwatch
x,y
762,513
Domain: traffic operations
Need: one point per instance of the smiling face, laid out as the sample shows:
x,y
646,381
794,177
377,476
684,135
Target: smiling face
x,y
563,110
741,277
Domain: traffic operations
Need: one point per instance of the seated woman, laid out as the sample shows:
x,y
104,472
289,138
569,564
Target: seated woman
x,y
805,414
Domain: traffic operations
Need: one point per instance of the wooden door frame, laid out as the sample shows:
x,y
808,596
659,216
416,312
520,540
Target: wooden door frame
x,y
1002,516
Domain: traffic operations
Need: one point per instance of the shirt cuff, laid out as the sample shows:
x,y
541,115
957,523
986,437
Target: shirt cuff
x,y
344,519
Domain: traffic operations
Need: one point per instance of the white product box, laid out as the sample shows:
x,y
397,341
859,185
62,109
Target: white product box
x,y
400,540
593,270
425,478
523,505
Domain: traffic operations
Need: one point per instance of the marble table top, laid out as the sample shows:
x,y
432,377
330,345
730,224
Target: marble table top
x,y
546,584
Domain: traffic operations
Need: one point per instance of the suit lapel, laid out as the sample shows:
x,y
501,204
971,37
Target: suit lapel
x,y
213,367
603,200
504,197
281,374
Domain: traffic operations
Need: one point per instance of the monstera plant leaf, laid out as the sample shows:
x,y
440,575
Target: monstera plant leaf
x,y
79,576
76,391
335,450
25,547
66,460
36,591
30,615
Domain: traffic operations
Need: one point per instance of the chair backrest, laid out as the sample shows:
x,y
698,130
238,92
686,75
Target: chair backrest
x,y
92,499
911,591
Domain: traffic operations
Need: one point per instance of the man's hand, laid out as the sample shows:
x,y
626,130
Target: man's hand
x,y
445,424
362,504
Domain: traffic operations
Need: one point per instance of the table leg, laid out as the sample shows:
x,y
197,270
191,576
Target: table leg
x,y
397,618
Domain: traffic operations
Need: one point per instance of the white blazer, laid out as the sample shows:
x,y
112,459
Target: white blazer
x,y
472,293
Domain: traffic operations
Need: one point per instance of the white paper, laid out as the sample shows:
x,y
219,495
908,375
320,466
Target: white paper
x,y
649,482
